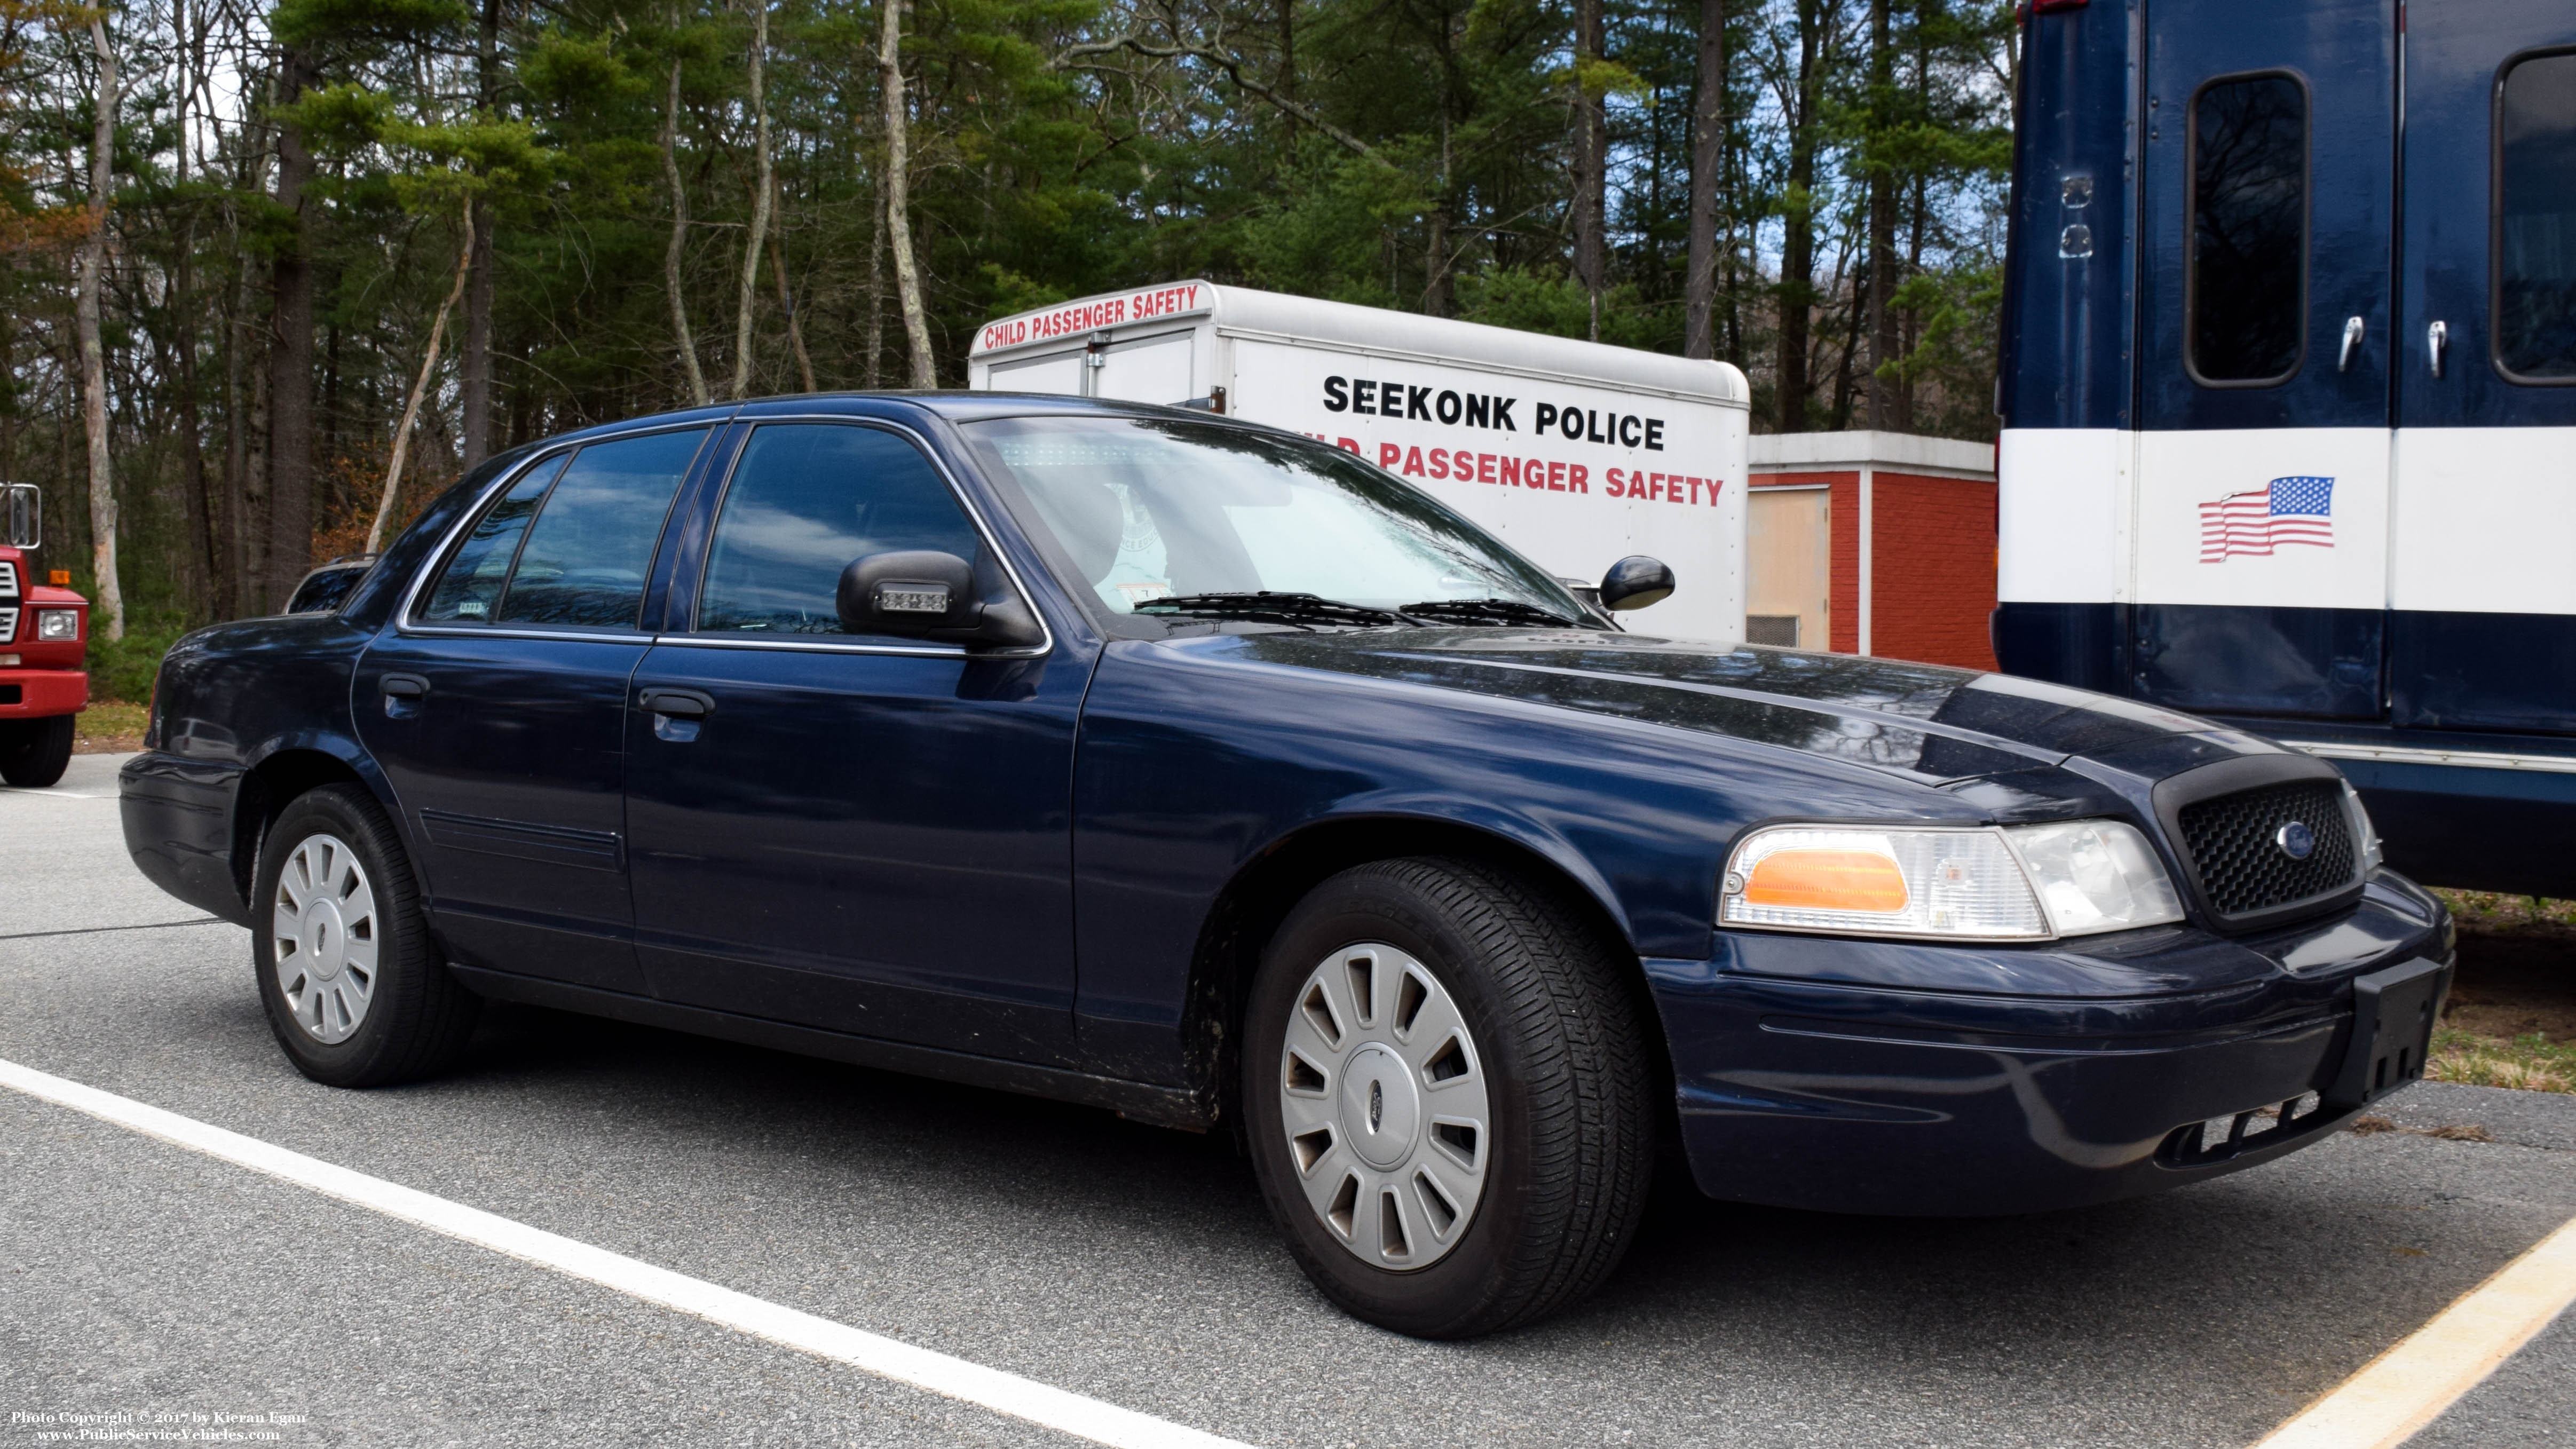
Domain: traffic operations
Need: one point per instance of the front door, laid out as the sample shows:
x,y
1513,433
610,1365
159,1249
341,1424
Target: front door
x,y
867,835
2260,523
497,709
2483,571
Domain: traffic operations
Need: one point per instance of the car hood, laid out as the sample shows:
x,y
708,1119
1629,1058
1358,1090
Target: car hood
x,y
1926,722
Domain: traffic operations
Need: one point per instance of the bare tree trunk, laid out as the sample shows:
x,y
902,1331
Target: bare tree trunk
x,y
907,275
474,364
679,237
1882,227
1591,159
1708,152
760,190
93,280
876,291
1440,286
1284,18
787,299
420,385
1798,222
290,358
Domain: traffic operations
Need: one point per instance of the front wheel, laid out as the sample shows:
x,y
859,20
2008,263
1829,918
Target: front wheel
x,y
34,752
357,992
1451,1114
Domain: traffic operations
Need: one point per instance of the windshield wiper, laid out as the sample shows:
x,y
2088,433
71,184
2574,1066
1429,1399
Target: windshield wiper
x,y
1488,611
1265,607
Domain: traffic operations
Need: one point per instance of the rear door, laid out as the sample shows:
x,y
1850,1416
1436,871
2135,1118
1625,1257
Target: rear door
x,y
2261,498
497,707
2483,568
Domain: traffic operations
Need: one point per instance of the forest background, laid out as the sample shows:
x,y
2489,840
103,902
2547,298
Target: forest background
x,y
276,276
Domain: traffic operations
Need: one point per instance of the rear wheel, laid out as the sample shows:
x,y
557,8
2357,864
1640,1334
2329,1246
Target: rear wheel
x,y
357,992
1451,1114
34,752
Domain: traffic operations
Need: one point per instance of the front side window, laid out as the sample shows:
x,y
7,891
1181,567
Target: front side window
x,y
2535,228
807,500
2249,230
1148,509
584,560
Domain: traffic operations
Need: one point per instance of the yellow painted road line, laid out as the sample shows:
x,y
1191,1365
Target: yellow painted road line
x,y
1003,1393
2409,1386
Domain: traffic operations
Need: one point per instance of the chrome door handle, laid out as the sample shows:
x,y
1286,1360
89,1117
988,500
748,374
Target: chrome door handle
x,y
2437,339
2352,330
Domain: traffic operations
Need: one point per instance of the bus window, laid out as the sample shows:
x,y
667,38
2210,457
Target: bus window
x,y
2535,261
2249,230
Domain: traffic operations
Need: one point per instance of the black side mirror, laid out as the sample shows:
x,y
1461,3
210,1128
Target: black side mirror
x,y
1636,581
925,594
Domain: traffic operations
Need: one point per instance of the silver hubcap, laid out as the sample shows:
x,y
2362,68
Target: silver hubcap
x,y
1382,1097
324,935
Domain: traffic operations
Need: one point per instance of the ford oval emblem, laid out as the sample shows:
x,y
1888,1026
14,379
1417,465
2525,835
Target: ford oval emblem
x,y
2296,840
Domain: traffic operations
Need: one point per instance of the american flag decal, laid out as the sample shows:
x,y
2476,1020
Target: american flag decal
x,y
2259,520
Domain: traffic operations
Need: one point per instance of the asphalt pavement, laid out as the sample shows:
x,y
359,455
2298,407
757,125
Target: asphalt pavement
x,y
1124,1262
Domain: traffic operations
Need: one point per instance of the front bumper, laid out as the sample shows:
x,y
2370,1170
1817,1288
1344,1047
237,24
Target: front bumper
x,y
36,693
1929,1080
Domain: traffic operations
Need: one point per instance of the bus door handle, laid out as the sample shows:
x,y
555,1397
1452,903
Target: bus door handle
x,y
2437,339
2352,330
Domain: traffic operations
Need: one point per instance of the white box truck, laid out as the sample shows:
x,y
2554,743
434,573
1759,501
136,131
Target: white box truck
x,y
1576,453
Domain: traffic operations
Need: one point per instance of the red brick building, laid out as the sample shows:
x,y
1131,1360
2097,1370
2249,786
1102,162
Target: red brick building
x,y
1872,543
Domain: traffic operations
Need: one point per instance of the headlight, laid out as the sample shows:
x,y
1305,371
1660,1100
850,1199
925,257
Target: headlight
x,y
57,626
2023,883
2095,875
2365,836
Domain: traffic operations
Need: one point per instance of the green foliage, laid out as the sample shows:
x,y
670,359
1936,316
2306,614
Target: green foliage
x,y
350,22
1412,154
124,669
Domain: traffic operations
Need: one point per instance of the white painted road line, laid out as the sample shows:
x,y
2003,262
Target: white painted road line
x,y
2406,1388
1003,1393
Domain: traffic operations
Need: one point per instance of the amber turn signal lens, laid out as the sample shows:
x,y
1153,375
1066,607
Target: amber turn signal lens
x,y
1829,880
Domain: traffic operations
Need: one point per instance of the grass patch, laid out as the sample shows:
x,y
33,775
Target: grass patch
x,y
2487,911
109,727
2527,1063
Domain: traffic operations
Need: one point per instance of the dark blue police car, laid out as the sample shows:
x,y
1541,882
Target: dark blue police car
x,y
1187,768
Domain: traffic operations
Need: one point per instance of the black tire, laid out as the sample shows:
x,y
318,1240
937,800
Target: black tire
x,y
34,752
1556,1022
418,1016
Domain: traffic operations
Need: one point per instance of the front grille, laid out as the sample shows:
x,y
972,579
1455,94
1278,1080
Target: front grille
x,y
8,579
8,625
2233,843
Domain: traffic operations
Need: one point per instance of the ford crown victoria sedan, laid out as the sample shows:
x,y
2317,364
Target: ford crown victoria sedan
x,y
1152,760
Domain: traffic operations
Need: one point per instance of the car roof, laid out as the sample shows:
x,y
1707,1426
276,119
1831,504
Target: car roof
x,y
953,406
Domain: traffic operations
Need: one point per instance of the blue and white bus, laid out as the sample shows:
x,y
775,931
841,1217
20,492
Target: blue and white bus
x,y
2289,395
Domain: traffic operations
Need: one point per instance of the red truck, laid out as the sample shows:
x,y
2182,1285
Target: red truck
x,y
44,632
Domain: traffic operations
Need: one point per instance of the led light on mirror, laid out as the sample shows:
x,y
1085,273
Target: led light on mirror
x,y
2095,875
1953,883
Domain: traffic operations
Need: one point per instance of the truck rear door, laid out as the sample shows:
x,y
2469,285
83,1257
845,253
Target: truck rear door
x,y
2483,563
2260,513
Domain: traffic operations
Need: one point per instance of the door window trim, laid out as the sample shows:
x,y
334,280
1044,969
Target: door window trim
x,y
2191,224
692,637
2495,220
405,623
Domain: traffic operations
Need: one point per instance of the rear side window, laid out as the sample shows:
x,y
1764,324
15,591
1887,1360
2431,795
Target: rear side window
x,y
584,560
2249,230
2535,226
806,501
470,587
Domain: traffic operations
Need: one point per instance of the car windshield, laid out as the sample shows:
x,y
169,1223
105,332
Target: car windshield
x,y
1171,509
